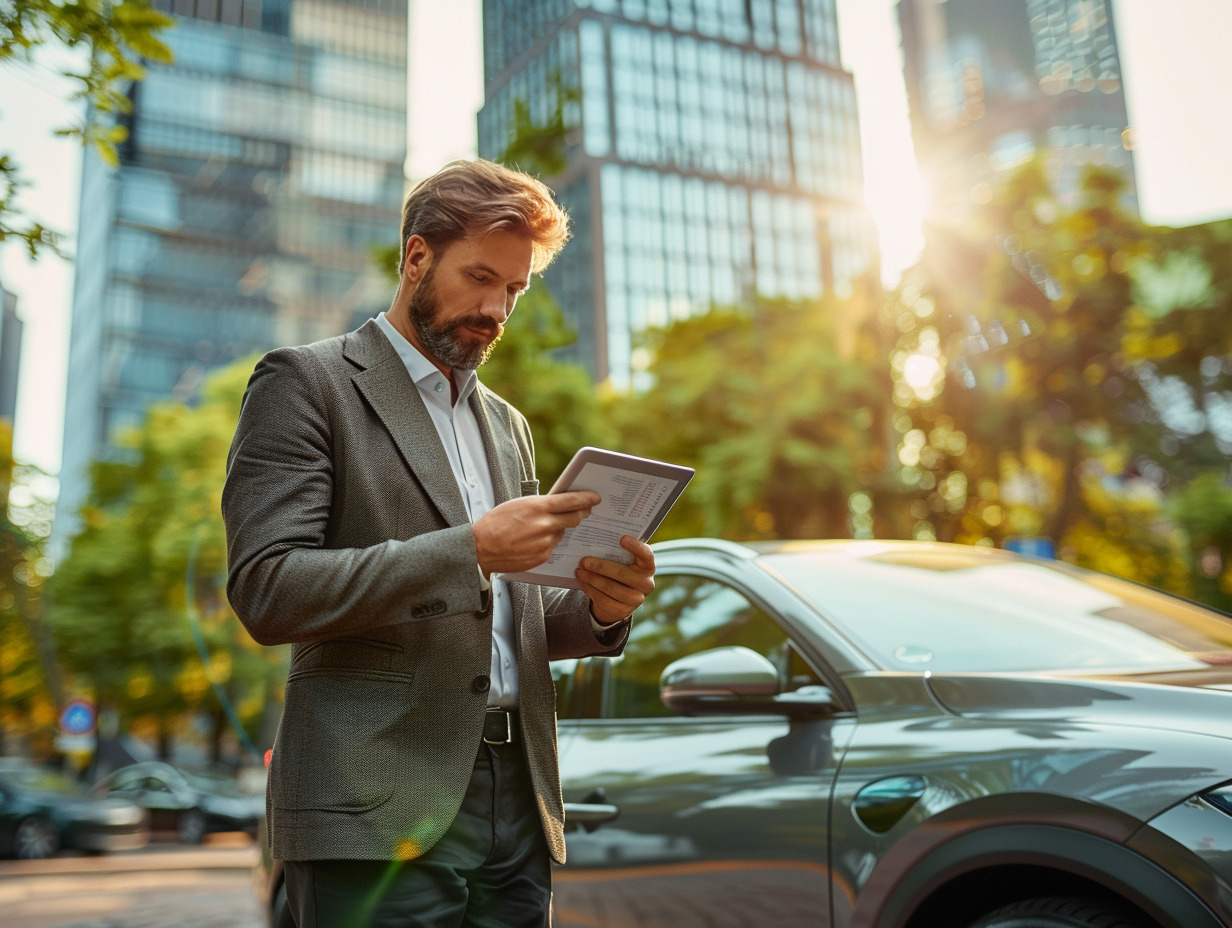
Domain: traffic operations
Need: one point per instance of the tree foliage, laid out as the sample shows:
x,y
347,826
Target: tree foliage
x,y
1056,368
113,38
31,688
780,408
122,609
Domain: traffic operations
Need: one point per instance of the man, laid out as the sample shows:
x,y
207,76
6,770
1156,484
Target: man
x,y
375,492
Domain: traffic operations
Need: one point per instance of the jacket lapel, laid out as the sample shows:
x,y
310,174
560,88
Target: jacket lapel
x,y
505,465
385,384
504,459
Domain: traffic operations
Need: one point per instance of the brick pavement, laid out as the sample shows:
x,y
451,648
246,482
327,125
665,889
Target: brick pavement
x,y
157,887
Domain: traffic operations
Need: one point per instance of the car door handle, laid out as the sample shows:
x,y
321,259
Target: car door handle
x,y
588,815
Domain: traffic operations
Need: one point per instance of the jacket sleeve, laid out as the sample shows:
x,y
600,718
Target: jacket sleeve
x,y
571,632
283,583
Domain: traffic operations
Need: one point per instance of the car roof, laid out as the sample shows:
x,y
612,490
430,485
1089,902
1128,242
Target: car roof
x,y
843,548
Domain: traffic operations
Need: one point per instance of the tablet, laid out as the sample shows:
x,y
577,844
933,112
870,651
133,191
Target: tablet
x,y
636,495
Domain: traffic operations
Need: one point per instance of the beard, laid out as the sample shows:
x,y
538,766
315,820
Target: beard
x,y
444,341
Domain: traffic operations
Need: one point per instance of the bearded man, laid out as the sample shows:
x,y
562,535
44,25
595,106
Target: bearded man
x,y
375,492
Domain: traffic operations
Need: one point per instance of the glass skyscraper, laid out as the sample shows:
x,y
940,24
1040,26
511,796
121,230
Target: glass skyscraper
x,y
10,354
261,169
713,155
992,82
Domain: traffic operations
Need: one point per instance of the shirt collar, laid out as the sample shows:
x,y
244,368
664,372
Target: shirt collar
x,y
423,372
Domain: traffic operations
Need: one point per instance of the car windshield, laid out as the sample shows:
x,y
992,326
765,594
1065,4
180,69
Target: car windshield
x,y
954,612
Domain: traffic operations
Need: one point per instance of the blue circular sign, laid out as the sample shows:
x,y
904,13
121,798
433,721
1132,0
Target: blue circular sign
x,y
78,717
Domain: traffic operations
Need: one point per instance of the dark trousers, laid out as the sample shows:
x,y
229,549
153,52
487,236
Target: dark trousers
x,y
490,870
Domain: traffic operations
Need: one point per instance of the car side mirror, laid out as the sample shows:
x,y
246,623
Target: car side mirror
x,y
734,681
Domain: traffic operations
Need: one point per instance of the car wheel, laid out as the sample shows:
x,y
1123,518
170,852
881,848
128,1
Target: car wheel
x,y
282,910
191,827
1063,912
35,838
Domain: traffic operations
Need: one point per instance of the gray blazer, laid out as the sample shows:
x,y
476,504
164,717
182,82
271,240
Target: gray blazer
x,y
347,537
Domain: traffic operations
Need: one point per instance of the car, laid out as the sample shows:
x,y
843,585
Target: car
x,y
42,812
894,734
192,805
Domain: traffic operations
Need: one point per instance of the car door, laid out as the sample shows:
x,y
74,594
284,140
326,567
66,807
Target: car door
x,y
719,820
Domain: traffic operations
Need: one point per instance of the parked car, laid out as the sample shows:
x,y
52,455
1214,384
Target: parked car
x,y
42,811
899,735
192,805
895,735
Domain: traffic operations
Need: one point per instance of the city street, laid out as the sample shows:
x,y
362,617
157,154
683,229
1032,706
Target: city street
x,y
158,886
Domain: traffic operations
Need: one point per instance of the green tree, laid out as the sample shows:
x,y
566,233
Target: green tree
x,y
781,410
31,686
123,612
113,38
1057,364
1204,508
1016,335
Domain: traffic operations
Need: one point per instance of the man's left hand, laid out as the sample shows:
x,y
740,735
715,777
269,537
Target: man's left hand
x,y
616,590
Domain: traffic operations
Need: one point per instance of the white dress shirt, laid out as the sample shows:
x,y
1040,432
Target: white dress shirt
x,y
463,442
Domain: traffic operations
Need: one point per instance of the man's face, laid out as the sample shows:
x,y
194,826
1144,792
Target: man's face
x,y
466,294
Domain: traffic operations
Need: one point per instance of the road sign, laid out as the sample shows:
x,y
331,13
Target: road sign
x,y
1031,546
78,717
76,744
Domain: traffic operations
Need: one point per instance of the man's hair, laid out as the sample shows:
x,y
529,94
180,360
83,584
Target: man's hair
x,y
477,197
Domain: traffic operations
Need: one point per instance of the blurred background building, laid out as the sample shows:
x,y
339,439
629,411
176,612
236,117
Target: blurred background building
x,y
261,169
992,82
10,354
713,155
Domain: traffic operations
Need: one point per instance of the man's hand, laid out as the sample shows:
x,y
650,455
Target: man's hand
x,y
615,590
521,533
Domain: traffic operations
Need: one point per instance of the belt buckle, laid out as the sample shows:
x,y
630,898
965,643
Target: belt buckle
x,y
508,727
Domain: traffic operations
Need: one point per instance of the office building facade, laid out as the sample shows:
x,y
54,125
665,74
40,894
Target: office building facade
x,y
262,168
991,83
713,155
10,354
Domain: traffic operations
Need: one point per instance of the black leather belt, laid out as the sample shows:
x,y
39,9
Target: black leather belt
x,y
499,725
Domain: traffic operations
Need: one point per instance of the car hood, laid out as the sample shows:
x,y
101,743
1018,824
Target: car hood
x,y
1199,702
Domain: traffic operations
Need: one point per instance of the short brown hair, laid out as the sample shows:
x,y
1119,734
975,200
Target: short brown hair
x,y
479,196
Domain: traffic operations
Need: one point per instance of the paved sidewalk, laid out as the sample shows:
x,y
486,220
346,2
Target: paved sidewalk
x,y
153,857
162,886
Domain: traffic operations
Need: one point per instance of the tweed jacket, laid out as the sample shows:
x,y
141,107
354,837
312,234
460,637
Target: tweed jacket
x,y
347,536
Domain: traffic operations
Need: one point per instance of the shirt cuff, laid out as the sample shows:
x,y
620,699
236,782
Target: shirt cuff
x,y
484,583
607,634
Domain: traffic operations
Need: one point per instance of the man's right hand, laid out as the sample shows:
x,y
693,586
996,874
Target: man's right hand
x,y
521,533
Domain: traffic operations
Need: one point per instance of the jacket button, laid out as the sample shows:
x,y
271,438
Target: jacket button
x,y
481,684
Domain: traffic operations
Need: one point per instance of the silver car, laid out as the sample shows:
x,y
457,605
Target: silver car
x,y
898,735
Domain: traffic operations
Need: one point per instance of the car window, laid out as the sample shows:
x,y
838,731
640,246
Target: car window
x,y
968,612
124,782
686,614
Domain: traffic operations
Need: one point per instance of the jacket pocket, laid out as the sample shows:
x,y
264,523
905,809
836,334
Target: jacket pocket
x,y
357,640
340,737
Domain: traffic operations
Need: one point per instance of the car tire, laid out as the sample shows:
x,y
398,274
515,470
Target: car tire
x,y
35,838
191,827
1063,912
280,915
